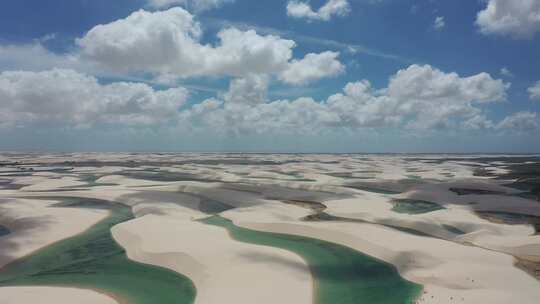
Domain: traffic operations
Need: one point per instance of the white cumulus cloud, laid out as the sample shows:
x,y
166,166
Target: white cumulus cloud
x,y
168,43
301,9
439,23
520,121
419,97
534,91
251,90
66,97
506,72
515,18
195,5
312,67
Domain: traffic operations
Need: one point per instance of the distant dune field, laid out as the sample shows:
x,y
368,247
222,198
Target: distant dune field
x,y
142,228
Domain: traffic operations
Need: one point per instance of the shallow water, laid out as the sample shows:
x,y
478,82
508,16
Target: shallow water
x,y
409,206
93,260
342,274
4,230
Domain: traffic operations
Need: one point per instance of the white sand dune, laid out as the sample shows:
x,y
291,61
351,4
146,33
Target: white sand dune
x,y
34,224
473,265
446,269
223,270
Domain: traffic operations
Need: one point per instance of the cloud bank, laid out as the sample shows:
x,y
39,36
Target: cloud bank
x,y
519,19
416,98
168,42
68,98
420,98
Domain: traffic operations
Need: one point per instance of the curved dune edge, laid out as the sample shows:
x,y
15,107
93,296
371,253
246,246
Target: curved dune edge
x,y
448,271
222,269
57,295
35,225
511,239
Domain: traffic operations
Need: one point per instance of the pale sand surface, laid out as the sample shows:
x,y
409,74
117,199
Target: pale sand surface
x,y
476,266
224,270
34,225
444,268
56,295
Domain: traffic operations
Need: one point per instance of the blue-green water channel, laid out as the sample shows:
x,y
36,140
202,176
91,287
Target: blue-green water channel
x,y
342,275
93,260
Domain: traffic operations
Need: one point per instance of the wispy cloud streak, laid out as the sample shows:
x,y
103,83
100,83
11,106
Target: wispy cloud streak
x,y
348,47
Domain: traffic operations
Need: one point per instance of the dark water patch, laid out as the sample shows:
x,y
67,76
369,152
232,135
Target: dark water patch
x,y
4,231
242,187
325,217
521,171
342,275
93,260
312,205
79,202
16,174
510,218
211,206
353,174
469,191
165,176
9,185
530,187
146,186
8,163
411,231
91,180
295,176
535,196
480,159
483,172
526,177
37,169
453,229
168,163
410,206
292,179
281,193
59,190
415,170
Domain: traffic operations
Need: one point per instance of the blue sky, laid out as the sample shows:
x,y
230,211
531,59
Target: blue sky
x,y
272,94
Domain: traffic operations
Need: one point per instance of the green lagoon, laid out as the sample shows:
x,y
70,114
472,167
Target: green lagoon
x,y
342,275
93,260
410,206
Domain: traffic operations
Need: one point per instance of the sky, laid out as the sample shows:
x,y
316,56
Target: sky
x,y
344,76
